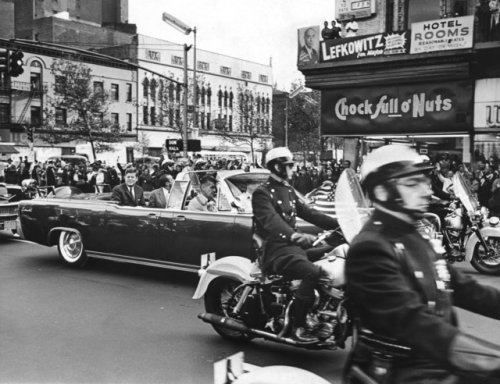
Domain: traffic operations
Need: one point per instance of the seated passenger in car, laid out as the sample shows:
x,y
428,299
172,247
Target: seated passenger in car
x,y
159,196
205,199
128,193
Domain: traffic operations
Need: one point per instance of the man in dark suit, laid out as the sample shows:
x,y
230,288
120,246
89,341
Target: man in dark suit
x,y
159,197
402,292
128,193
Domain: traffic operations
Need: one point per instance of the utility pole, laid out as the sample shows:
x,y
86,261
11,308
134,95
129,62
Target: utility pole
x,y
185,102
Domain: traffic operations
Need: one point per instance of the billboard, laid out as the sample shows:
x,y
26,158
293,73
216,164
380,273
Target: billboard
x,y
442,34
487,104
308,46
360,47
397,109
345,9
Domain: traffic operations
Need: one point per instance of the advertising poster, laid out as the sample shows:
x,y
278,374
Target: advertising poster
x,y
345,9
487,104
398,109
380,44
442,35
308,46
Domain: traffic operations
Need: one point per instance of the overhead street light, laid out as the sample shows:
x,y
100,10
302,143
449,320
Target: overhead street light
x,y
184,28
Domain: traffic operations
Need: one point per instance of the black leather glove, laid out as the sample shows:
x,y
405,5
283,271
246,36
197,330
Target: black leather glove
x,y
303,240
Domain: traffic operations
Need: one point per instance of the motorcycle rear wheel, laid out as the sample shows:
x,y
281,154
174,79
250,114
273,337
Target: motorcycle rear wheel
x,y
219,294
488,265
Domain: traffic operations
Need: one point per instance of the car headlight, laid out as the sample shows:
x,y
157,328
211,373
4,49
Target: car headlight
x,y
494,221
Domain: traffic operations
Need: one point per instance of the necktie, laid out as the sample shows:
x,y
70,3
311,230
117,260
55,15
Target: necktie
x,y
132,191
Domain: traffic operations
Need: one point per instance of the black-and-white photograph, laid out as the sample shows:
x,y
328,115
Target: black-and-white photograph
x,y
261,192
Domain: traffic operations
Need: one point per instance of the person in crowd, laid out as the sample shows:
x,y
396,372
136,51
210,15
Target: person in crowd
x,y
486,182
326,32
315,178
128,193
336,29
144,179
351,27
302,182
205,199
276,207
308,53
329,176
402,292
159,196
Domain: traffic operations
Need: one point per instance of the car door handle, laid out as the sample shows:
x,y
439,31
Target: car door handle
x,y
180,218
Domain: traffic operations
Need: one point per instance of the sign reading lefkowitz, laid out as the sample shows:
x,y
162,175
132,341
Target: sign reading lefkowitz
x,y
415,108
380,44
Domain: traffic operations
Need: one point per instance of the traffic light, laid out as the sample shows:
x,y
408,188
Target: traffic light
x,y
4,60
16,63
30,134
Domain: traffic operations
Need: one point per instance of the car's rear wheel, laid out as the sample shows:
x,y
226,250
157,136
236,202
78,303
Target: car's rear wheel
x,y
71,248
220,297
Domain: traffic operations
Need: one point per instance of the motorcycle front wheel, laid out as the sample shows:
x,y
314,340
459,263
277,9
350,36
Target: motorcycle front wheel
x,y
489,264
220,296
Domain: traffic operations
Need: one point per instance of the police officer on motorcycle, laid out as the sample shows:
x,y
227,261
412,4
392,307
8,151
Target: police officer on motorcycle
x,y
276,207
402,292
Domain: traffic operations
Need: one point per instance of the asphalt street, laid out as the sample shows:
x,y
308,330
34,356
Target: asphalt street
x,y
120,323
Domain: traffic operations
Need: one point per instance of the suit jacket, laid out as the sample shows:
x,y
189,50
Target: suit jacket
x,y
304,57
396,295
157,199
122,195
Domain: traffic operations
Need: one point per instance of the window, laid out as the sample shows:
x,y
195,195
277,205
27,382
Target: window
x,y
145,115
263,79
115,120
177,60
225,71
129,92
145,87
98,86
219,98
114,92
225,98
202,66
4,113
209,125
35,83
153,115
60,116
60,84
246,75
153,55
129,122
36,116
230,122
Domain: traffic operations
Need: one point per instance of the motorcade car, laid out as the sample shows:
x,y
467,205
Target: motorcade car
x,y
69,159
84,225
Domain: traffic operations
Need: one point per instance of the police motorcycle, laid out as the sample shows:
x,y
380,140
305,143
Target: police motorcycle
x,y
468,232
242,302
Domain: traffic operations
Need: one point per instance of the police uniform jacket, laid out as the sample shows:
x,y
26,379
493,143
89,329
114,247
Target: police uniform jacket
x,y
397,294
276,208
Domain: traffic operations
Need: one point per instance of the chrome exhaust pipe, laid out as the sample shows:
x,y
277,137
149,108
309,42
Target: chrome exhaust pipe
x,y
227,322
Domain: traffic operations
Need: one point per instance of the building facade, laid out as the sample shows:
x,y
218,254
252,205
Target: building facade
x,y
418,72
233,107
25,101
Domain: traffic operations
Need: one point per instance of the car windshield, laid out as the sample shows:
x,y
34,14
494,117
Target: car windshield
x,y
238,184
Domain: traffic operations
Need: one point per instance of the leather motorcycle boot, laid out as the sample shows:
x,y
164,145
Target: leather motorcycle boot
x,y
300,332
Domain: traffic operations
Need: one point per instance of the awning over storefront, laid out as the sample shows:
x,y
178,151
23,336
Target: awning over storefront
x,y
8,149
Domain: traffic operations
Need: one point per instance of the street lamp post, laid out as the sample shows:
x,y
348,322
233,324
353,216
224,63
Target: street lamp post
x,y
184,28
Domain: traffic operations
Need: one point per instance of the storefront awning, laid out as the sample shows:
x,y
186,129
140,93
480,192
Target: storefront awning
x,y
8,149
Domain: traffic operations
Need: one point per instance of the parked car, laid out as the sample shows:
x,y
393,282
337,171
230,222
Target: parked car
x,y
92,225
8,208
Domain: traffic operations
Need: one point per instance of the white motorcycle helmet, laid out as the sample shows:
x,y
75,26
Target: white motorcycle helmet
x,y
280,156
390,162
385,164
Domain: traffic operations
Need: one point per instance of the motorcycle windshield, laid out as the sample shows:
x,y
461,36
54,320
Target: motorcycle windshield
x,y
463,192
352,208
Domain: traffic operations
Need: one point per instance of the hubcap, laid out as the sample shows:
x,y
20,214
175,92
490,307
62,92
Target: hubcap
x,y
72,245
492,256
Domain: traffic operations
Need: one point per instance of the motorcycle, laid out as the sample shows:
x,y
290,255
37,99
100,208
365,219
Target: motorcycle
x,y
468,233
242,302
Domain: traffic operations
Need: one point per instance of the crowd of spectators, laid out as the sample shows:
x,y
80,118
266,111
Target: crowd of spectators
x,y
100,176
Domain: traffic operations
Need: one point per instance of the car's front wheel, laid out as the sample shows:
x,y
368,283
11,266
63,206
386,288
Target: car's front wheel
x,y
71,248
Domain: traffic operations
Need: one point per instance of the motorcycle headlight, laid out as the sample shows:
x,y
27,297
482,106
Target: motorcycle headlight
x,y
494,221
